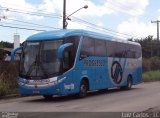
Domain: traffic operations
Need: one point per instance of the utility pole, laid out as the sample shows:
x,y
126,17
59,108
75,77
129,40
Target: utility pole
x,y
65,17
157,28
64,14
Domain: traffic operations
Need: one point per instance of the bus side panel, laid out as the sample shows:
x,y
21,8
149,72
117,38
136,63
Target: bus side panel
x,y
137,76
96,70
137,73
68,85
121,68
86,71
101,73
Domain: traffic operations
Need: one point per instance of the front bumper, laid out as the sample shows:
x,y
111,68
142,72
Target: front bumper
x,y
51,90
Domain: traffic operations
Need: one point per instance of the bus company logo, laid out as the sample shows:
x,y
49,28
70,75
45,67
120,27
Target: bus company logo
x,y
116,72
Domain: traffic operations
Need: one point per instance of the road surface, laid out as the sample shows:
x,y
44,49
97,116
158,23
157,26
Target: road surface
x,y
141,98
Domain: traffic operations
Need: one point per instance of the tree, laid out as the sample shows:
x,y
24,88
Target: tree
x,y
5,44
150,47
150,53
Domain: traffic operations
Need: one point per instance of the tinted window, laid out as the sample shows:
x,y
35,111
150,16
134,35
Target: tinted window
x,y
130,51
138,51
120,50
87,47
123,50
100,48
111,48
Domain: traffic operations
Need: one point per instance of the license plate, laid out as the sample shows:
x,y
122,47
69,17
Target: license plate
x,y
36,92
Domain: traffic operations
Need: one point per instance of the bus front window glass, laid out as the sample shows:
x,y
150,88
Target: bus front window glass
x,y
49,56
40,59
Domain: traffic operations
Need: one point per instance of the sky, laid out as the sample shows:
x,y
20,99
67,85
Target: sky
x,y
119,18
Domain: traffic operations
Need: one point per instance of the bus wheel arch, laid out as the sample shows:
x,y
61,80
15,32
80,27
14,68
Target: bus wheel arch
x,y
84,87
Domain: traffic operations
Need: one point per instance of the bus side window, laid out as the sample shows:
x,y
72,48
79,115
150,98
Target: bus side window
x,y
100,48
87,48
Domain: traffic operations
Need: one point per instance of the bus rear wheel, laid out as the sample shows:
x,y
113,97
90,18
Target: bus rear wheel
x,y
83,89
129,84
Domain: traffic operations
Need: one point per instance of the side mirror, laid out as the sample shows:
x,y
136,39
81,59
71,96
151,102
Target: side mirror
x,y
14,51
61,50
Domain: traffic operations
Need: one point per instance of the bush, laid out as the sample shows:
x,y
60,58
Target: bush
x,y
8,78
151,64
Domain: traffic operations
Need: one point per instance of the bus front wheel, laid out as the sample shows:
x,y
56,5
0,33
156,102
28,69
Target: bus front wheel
x,y
83,89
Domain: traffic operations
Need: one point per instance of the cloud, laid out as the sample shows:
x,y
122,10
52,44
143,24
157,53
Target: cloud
x,y
18,6
74,25
50,6
136,28
159,15
131,7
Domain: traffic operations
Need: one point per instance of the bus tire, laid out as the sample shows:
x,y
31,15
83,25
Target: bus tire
x,y
48,97
83,89
129,84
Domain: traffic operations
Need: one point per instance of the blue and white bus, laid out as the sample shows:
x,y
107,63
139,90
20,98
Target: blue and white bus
x,y
67,62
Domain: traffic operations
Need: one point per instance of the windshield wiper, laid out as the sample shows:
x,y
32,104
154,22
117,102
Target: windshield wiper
x,y
37,63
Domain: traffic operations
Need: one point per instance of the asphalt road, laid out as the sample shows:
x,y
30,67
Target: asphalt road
x,y
141,98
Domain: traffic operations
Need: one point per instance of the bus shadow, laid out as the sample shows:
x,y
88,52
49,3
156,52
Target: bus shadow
x,y
74,97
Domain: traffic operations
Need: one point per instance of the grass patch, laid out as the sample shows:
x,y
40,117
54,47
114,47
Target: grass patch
x,y
151,76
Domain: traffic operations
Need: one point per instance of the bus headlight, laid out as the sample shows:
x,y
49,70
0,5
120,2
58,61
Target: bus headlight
x,y
57,81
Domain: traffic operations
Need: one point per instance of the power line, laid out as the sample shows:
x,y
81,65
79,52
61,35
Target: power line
x,y
42,12
31,13
23,25
102,30
91,25
122,7
20,28
33,23
100,27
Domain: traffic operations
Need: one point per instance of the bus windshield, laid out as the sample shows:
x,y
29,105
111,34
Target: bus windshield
x,y
39,59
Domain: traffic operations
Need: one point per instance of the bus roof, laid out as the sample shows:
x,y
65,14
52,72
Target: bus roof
x,y
57,34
